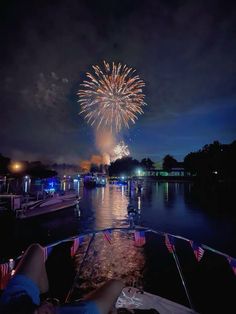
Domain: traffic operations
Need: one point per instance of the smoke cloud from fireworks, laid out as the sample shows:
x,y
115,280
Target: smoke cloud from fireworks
x,y
97,160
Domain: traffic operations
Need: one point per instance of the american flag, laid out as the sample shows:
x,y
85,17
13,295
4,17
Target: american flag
x,y
47,250
4,271
76,243
107,235
232,263
197,250
169,241
139,238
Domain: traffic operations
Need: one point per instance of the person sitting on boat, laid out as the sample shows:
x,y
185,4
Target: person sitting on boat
x,y
22,293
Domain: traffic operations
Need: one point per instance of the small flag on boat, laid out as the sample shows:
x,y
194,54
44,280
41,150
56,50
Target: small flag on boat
x,y
76,243
169,241
139,238
4,271
47,251
232,263
107,235
197,250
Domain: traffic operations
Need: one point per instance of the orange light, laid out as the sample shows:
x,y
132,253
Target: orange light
x,y
16,167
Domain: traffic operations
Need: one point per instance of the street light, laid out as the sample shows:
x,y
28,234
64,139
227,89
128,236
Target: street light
x,y
16,167
139,172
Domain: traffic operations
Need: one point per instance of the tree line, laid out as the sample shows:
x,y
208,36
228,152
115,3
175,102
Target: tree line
x,y
35,169
212,160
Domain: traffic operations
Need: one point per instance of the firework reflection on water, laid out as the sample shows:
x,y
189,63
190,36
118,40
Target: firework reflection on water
x,y
118,260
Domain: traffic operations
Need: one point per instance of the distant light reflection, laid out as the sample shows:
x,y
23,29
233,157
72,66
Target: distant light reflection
x,y
166,191
139,202
109,213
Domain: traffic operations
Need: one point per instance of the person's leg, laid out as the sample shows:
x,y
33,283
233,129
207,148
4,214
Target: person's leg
x,y
106,296
32,265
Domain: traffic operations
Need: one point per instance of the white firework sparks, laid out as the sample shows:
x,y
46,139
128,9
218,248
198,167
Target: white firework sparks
x,y
112,97
120,150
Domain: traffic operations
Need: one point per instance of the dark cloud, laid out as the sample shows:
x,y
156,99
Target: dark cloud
x,y
184,50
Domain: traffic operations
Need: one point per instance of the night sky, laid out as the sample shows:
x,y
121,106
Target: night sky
x,y
184,50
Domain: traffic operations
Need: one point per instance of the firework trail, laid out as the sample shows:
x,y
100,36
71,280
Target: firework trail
x,y
111,97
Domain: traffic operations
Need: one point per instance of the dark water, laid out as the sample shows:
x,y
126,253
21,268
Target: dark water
x,y
169,207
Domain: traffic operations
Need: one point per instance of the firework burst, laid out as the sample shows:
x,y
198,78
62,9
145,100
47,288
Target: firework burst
x,y
120,150
111,97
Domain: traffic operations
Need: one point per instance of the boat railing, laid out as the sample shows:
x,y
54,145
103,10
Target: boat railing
x,y
168,238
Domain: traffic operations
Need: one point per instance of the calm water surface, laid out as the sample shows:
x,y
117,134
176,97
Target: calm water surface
x,y
165,206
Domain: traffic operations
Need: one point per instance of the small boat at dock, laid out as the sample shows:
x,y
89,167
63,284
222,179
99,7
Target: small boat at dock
x,y
90,180
101,180
50,205
23,210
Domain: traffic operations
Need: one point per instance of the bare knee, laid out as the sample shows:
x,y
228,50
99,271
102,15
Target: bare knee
x,y
113,287
35,250
116,283
32,265
36,246
106,295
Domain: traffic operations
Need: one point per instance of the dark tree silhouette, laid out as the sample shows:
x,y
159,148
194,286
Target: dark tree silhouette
x,y
41,171
4,164
169,162
124,166
213,159
94,168
147,164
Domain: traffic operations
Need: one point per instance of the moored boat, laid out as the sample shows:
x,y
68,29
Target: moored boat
x,y
50,205
101,180
22,210
122,181
90,180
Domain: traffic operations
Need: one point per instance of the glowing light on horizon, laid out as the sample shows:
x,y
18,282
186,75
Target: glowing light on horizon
x,y
16,167
112,97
